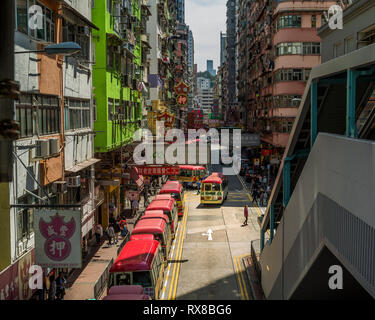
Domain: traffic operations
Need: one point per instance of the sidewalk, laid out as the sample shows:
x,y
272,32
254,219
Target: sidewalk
x,y
256,288
93,276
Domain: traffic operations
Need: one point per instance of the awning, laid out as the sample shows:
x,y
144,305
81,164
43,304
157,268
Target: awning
x,y
82,165
78,14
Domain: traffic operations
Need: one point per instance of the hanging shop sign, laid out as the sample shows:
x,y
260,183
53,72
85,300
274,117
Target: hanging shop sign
x,y
132,195
266,152
58,238
182,99
147,180
182,88
158,171
256,162
168,119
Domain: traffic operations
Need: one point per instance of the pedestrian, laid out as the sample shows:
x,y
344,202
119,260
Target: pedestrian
x,y
123,227
135,205
60,286
199,186
52,288
116,227
246,214
98,233
110,233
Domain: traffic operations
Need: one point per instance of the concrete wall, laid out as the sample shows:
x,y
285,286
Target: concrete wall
x,y
341,178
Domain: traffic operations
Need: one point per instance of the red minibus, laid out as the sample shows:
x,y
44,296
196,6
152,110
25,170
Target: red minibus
x,y
140,262
167,204
159,229
175,189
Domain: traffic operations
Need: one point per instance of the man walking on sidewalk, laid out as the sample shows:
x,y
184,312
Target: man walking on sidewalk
x,y
110,233
246,214
135,205
98,233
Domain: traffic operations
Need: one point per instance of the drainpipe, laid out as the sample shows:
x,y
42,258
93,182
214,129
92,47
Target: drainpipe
x,y
314,112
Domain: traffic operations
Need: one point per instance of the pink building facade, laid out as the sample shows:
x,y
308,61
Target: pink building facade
x,y
283,47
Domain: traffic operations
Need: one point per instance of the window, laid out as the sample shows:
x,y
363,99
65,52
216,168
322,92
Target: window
x,y
22,20
336,49
110,57
289,21
25,223
38,114
110,109
207,187
313,21
78,34
47,30
76,114
349,44
216,187
306,48
292,74
142,278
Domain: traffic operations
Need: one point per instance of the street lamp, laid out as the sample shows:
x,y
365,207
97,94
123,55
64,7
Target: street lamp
x,y
63,48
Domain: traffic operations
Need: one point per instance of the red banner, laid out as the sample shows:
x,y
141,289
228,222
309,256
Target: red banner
x,y
158,171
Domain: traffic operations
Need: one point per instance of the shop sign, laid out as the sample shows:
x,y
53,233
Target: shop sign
x,y
182,88
14,281
147,180
132,195
266,152
256,162
182,99
58,238
158,171
168,119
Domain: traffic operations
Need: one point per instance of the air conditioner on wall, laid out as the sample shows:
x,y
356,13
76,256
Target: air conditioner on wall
x,y
42,148
54,146
73,182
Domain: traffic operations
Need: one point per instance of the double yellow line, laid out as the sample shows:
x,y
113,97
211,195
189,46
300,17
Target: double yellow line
x,y
176,267
239,272
179,241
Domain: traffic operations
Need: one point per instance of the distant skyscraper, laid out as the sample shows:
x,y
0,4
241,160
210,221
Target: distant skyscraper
x,y
210,67
191,50
181,10
223,51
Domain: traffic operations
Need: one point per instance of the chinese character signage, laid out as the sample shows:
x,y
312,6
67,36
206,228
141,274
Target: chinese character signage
x,y
182,99
58,238
132,195
159,171
14,281
182,88
168,119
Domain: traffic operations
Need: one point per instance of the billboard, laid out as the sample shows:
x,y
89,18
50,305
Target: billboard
x,y
58,238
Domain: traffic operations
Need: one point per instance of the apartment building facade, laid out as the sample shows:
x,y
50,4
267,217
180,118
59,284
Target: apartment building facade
x,y
278,45
53,154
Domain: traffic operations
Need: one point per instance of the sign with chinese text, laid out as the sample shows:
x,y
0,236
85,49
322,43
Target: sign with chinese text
x,y
182,99
168,119
14,281
132,195
182,88
58,238
158,171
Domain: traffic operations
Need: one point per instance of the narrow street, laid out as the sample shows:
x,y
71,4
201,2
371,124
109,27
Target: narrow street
x,y
206,262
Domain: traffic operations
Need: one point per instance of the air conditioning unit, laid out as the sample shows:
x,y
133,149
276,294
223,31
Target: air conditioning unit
x,y
54,146
60,187
73,182
42,148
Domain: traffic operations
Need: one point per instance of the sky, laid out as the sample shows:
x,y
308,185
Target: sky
x,y
206,18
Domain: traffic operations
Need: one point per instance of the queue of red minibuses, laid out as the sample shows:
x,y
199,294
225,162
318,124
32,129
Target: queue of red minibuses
x,y
138,272
142,261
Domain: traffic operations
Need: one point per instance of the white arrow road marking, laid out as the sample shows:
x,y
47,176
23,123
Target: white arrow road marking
x,y
209,234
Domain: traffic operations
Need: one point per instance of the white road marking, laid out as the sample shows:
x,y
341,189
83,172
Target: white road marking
x,y
209,234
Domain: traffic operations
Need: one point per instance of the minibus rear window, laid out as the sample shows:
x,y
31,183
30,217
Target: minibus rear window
x,y
142,278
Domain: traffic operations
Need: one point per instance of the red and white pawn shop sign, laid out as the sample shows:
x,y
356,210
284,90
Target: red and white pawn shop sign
x,y
158,171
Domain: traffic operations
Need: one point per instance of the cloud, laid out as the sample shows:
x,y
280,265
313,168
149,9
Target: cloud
x,y
206,19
